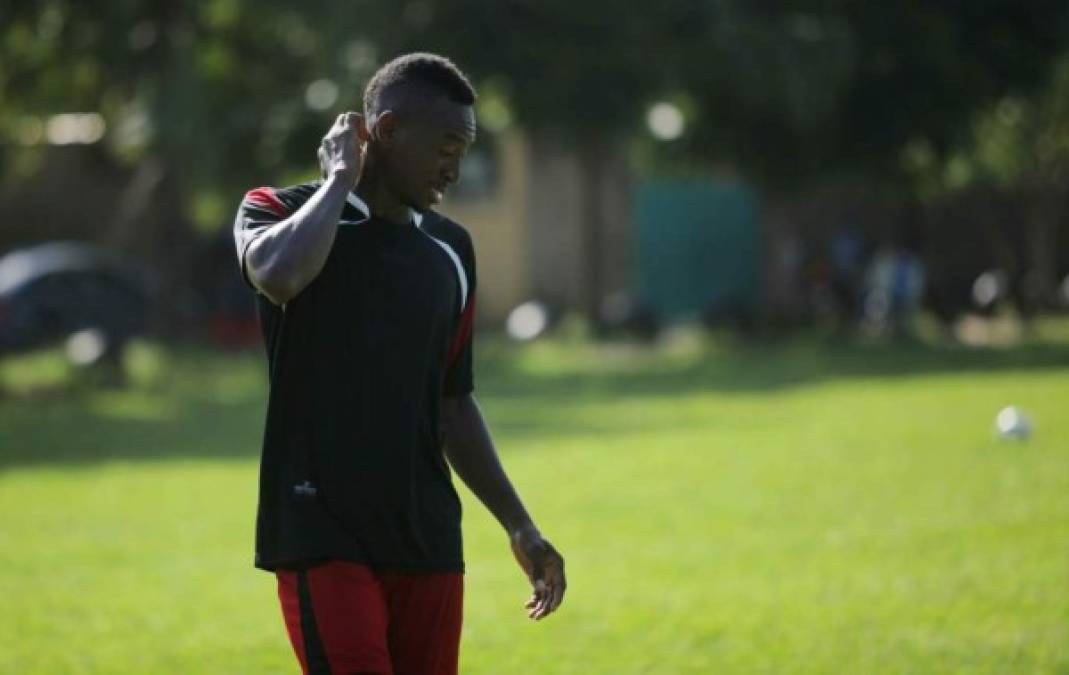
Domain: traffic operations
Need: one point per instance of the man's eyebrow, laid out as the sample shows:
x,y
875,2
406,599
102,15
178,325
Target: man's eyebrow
x,y
461,138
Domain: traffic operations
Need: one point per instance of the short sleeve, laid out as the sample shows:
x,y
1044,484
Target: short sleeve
x,y
459,374
260,209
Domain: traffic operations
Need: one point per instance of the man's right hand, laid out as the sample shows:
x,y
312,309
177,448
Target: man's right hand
x,y
286,256
341,153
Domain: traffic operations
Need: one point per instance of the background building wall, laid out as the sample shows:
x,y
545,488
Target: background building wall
x,y
497,223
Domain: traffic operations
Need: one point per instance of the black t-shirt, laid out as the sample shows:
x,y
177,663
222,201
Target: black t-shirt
x,y
352,465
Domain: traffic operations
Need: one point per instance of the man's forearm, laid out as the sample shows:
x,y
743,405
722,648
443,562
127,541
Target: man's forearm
x,y
283,260
471,452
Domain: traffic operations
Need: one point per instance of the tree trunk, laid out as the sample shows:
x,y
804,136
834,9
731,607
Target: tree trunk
x,y
178,151
1041,249
134,207
173,249
592,158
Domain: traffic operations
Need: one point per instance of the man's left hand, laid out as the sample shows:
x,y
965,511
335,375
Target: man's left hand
x,y
544,567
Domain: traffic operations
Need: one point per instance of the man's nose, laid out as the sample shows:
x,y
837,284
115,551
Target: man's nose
x,y
451,172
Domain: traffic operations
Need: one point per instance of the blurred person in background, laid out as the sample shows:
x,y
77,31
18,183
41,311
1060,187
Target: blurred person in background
x,y
846,256
366,298
894,288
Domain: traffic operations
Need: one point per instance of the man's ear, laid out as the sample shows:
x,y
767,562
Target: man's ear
x,y
384,127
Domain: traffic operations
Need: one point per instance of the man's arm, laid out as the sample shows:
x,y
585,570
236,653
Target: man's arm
x,y
471,453
287,256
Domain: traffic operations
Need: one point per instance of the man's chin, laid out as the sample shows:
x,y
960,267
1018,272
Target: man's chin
x,y
420,205
429,200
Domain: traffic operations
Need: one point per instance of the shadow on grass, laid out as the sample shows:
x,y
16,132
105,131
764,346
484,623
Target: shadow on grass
x,y
202,405
210,405
556,401
763,367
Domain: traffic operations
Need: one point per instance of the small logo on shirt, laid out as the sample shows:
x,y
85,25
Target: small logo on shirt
x,y
305,490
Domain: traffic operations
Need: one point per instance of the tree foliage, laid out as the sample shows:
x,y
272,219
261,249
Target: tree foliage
x,y
217,91
849,86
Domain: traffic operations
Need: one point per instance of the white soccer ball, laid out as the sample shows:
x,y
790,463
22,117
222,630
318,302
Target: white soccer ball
x,y
1012,424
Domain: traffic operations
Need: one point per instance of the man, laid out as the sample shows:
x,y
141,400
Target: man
x,y
366,300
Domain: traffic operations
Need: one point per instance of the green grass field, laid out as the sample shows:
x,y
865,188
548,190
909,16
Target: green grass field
x,y
798,507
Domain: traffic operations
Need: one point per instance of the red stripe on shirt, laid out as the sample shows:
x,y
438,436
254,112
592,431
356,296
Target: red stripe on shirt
x,y
463,331
265,198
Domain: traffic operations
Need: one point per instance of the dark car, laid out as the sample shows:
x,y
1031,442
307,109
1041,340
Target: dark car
x,y
52,291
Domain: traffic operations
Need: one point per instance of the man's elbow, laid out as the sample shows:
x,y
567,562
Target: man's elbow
x,y
454,411
455,407
270,277
275,287
449,413
277,294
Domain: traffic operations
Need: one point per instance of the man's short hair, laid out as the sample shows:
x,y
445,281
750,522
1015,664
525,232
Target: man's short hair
x,y
426,75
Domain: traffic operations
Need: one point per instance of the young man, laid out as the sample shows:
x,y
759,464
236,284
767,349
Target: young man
x,y
366,299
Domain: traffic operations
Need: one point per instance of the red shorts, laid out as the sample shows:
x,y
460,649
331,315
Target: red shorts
x,y
344,618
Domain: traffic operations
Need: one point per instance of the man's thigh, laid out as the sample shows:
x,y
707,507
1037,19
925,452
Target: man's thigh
x,y
336,618
426,612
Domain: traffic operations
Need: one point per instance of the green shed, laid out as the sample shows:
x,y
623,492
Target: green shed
x,y
697,248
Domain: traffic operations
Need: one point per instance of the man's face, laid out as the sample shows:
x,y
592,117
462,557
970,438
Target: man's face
x,y
423,158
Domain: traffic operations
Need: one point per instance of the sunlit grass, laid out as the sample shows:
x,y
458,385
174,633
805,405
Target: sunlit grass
x,y
793,507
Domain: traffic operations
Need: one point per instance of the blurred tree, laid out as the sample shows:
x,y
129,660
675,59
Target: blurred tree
x,y
813,88
200,97
204,97
784,92
919,99
1019,144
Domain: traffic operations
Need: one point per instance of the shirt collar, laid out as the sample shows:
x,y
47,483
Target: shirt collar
x,y
360,205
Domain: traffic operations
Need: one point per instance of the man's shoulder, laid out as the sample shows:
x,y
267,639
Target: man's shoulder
x,y
448,230
281,200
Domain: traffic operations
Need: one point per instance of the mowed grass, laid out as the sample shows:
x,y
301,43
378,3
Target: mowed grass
x,y
797,507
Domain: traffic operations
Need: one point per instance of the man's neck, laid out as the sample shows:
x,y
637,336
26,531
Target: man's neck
x,y
382,203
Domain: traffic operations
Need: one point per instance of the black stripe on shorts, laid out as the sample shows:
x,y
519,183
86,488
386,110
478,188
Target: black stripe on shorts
x,y
315,655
